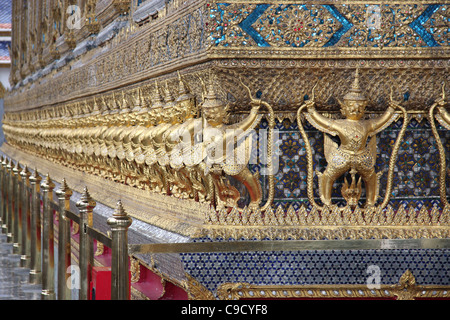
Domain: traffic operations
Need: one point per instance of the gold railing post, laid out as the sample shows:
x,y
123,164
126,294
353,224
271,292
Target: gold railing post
x,y
64,249
119,224
16,213
9,201
35,229
48,262
85,206
2,190
25,218
5,191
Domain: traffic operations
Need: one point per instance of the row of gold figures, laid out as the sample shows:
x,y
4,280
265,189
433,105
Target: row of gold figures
x,y
154,147
175,146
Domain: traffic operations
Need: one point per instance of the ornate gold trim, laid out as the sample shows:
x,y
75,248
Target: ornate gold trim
x,y
197,291
406,289
116,67
340,53
135,269
335,232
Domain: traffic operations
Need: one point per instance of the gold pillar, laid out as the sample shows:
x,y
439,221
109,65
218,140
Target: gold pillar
x,y
16,214
47,254
35,229
10,201
25,219
64,249
86,206
2,191
119,224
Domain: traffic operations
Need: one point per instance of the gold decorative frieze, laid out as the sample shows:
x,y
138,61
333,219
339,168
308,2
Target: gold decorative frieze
x,y
324,28
159,156
246,34
151,111
406,289
291,80
177,147
159,48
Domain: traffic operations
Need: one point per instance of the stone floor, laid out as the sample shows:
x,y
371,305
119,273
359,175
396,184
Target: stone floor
x,y
14,283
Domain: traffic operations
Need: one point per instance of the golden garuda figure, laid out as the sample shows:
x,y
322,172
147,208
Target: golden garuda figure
x,y
357,149
203,146
220,157
173,146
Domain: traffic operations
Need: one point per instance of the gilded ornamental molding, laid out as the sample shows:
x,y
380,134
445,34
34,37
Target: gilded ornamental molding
x,y
406,289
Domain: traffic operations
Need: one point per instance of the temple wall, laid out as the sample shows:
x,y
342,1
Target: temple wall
x,y
86,101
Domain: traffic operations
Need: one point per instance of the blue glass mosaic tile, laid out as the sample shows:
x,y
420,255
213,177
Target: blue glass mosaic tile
x,y
417,25
326,25
331,267
346,25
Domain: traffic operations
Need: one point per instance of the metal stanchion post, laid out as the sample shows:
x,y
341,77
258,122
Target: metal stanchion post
x,y
48,262
25,218
10,202
35,229
86,258
119,224
64,249
1,191
16,213
4,195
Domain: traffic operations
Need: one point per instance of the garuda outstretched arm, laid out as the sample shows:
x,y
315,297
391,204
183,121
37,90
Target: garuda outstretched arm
x,y
385,120
443,116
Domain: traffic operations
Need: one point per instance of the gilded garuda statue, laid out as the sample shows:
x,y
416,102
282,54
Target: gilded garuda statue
x,y
219,158
171,145
163,145
356,153
199,150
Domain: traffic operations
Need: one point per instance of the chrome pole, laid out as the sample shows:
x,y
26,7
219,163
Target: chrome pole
x,y
119,224
85,206
35,229
64,248
48,262
25,218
